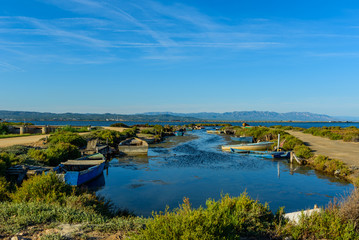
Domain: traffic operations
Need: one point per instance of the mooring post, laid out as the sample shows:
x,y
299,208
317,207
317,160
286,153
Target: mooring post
x,y
291,157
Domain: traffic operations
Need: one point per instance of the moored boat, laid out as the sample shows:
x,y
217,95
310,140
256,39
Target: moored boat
x,y
78,172
178,133
263,154
96,156
242,139
249,146
133,146
214,131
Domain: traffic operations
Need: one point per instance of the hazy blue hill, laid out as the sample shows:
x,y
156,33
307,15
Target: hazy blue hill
x,y
254,116
168,116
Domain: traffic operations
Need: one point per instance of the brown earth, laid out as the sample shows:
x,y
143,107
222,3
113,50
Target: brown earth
x,y
27,140
348,152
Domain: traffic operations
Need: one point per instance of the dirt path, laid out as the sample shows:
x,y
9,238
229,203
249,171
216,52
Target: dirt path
x,y
7,142
348,152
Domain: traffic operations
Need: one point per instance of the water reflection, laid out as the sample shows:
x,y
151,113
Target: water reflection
x,y
198,169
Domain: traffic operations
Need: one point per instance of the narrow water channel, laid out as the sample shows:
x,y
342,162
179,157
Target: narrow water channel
x,y
199,170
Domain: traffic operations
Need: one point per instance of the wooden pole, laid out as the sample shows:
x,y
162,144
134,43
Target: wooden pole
x,y
278,142
291,157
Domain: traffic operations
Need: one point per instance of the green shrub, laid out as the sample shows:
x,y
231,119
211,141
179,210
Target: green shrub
x,y
325,225
69,128
148,131
4,129
42,188
16,150
67,137
325,164
228,218
4,191
61,152
119,125
112,137
38,155
303,151
7,160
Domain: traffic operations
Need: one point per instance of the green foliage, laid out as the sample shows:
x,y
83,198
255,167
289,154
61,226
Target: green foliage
x,y
38,155
67,137
69,128
349,134
61,152
16,149
119,125
228,218
44,199
4,189
113,137
303,151
325,225
4,129
6,161
327,165
42,188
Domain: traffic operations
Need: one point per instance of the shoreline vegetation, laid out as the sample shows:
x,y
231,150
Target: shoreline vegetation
x,y
42,203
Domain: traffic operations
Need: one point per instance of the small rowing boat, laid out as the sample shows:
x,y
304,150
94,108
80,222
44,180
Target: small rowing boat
x,y
250,146
133,146
263,154
78,172
242,139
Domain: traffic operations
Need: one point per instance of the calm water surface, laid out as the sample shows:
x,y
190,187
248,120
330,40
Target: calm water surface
x,y
199,170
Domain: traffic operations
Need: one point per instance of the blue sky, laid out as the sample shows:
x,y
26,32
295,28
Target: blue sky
x,y
138,56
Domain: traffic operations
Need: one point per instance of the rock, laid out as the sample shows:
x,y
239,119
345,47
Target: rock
x,y
337,172
15,238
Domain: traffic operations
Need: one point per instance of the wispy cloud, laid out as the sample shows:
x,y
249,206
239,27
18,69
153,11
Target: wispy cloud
x,y
145,29
6,67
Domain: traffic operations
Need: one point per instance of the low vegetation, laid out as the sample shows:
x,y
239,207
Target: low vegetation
x,y
330,166
228,218
349,134
44,201
119,125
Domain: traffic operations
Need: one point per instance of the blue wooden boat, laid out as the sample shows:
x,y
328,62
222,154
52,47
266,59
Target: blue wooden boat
x,y
263,154
178,133
242,139
78,172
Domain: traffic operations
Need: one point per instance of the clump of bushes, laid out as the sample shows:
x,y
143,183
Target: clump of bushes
x,y
69,128
340,220
349,134
55,153
67,137
331,166
112,137
4,129
45,188
228,218
44,199
119,125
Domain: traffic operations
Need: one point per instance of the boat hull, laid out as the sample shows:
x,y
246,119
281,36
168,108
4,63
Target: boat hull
x,y
250,146
262,154
242,139
86,174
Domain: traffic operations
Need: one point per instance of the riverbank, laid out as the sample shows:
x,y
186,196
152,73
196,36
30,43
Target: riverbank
x,y
347,152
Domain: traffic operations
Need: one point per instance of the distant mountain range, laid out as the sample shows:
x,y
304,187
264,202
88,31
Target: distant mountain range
x,y
252,116
46,116
170,116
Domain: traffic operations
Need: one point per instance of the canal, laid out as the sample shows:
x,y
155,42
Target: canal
x,y
194,166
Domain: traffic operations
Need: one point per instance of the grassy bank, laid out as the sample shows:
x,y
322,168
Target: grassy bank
x,y
43,203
